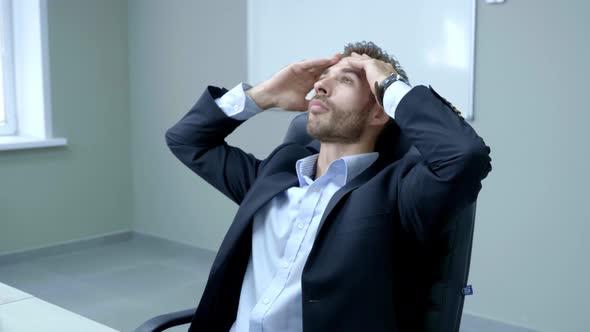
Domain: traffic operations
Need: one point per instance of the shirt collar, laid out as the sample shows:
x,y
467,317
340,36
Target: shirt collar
x,y
306,168
358,163
343,169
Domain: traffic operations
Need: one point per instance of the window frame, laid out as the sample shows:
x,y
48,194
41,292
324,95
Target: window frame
x,y
8,79
31,83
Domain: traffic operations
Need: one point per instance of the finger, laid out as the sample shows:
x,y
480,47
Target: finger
x,y
319,64
356,62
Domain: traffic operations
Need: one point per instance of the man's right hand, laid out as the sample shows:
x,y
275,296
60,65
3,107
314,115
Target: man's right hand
x,y
287,88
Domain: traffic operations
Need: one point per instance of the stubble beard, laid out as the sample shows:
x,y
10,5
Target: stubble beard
x,y
337,126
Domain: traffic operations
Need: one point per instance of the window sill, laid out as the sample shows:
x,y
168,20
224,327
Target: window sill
x,y
21,143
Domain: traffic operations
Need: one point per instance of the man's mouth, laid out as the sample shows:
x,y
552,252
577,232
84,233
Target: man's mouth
x,y
316,106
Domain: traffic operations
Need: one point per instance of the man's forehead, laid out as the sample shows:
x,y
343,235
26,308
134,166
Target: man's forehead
x,y
341,66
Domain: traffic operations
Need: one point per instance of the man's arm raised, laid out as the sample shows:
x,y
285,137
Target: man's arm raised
x,y
198,139
446,176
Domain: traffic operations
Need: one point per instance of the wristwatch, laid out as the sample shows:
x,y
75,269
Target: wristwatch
x,y
381,87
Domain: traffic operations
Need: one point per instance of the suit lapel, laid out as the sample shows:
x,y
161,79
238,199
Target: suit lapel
x,y
266,189
262,192
350,186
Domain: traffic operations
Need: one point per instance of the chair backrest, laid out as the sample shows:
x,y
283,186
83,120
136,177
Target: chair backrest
x,y
452,247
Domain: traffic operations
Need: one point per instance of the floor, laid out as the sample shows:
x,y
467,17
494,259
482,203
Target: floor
x,y
125,281
119,284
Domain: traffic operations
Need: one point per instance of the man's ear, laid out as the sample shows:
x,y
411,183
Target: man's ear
x,y
378,116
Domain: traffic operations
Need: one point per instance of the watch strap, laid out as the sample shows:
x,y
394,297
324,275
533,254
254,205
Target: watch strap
x,y
381,87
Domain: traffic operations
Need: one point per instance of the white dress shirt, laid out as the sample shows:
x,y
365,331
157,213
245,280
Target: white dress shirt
x,y
284,229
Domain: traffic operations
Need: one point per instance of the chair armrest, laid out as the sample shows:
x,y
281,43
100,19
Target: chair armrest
x,y
163,322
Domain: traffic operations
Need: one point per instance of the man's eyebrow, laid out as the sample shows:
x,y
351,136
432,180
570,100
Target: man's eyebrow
x,y
350,71
343,70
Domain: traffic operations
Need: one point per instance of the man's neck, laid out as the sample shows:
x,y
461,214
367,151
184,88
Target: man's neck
x,y
333,151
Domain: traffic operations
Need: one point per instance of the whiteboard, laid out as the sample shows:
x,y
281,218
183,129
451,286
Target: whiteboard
x,y
433,40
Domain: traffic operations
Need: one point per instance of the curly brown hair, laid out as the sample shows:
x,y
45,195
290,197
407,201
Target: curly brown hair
x,y
375,52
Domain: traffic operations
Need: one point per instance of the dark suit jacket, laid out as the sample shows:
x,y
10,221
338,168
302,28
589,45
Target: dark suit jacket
x,y
369,265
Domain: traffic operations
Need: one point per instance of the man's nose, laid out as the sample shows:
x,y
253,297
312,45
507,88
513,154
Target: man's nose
x,y
321,87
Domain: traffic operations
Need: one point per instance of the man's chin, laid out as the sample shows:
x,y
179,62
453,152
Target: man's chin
x,y
313,127
317,132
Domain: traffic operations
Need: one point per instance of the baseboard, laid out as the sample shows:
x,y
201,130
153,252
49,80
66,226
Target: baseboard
x,y
64,247
476,323
187,247
93,241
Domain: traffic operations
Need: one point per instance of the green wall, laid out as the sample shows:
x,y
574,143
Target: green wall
x,y
82,190
176,48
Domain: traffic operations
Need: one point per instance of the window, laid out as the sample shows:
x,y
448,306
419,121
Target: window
x,y
7,106
25,116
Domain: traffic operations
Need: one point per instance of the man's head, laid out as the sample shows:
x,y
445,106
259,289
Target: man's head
x,y
344,110
375,52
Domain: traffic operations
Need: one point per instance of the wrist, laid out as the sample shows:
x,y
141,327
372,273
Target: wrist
x,y
381,86
261,96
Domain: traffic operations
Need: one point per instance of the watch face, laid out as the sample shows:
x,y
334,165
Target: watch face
x,y
388,81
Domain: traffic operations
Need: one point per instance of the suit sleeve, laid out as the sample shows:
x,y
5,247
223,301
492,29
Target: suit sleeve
x,y
198,141
446,175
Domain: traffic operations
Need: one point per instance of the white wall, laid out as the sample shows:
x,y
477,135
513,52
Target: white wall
x,y
529,265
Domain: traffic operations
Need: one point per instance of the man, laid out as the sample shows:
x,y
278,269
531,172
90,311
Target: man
x,y
335,240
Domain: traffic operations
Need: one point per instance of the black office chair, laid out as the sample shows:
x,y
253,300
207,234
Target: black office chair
x,y
450,266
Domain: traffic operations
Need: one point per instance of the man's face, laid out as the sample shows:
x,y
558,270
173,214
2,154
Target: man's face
x,y
342,103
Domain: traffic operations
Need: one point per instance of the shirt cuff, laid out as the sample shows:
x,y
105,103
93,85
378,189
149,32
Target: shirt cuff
x,y
393,95
236,104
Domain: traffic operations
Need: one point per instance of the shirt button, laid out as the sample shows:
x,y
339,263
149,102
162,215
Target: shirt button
x,y
285,265
266,301
300,226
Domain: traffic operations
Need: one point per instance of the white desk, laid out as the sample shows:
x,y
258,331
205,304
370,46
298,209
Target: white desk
x,y
22,312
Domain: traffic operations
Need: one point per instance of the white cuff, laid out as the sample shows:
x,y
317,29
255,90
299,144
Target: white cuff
x,y
236,105
393,95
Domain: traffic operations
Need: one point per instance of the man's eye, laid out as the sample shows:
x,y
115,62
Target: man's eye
x,y
345,80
